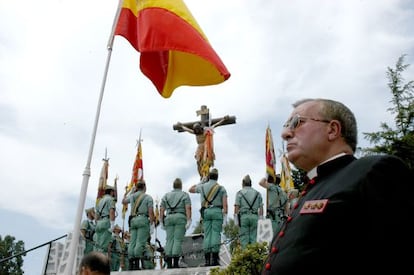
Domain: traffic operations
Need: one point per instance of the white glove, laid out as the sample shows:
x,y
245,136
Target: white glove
x,y
188,224
152,228
236,220
111,229
224,219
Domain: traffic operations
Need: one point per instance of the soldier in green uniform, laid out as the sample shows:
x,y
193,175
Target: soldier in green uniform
x,y
116,248
248,207
141,223
148,261
176,204
105,217
214,216
125,256
277,199
88,230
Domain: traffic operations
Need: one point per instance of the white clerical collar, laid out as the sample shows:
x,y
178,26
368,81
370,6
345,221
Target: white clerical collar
x,y
313,172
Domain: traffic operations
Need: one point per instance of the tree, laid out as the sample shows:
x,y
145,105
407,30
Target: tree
x,y
298,176
245,261
398,141
8,248
199,228
231,232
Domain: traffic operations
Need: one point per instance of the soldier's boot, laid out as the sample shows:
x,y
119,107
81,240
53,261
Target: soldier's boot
x,y
176,262
168,260
131,264
207,257
215,259
143,263
137,263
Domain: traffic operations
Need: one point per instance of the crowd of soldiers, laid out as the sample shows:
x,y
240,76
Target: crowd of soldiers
x,y
133,250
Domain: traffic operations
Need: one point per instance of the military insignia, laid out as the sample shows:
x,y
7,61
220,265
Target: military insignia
x,y
314,206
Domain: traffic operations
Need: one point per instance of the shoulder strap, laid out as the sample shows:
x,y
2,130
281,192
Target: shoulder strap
x,y
255,198
169,206
103,207
208,199
137,203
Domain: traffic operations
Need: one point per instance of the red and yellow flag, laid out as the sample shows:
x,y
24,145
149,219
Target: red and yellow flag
x,y
270,154
137,174
286,180
174,50
103,178
208,157
138,169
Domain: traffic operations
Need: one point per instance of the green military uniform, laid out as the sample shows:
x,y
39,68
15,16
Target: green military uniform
x,y
212,217
88,226
116,251
249,201
277,199
103,226
174,203
139,224
149,260
125,255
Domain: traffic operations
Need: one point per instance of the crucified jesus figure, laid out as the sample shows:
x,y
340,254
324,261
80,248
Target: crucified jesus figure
x,y
204,153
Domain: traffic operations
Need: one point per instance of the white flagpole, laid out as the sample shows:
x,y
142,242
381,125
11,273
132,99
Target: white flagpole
x,y
87,172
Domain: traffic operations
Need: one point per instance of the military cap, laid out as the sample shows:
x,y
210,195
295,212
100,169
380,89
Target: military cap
x,y
109,187
214,171
117,227
247,180
89,210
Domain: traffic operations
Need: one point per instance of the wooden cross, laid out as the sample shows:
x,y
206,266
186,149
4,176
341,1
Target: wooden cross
x,y
204,113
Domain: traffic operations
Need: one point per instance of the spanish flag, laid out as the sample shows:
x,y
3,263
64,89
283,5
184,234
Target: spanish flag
x,y
286,180
137,174
270,154
103,179
174,50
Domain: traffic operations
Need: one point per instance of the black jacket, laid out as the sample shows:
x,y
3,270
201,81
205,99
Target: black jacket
x,y
364,223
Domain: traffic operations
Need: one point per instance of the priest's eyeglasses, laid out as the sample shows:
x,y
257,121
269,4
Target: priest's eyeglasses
x,y
295,121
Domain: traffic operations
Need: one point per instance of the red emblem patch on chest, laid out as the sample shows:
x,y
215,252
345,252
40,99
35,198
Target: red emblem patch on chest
x,y
315,206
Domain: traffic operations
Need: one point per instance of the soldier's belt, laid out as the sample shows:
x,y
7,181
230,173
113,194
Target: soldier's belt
x,y
248,212
215,206
139,215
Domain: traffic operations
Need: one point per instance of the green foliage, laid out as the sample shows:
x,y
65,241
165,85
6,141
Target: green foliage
x,y
398,141
298,176
199,228
231,232
8,248
247,261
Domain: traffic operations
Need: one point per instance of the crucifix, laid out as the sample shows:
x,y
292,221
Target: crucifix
x,y
203,131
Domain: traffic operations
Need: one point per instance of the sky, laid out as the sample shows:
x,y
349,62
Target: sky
x,y
52,62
